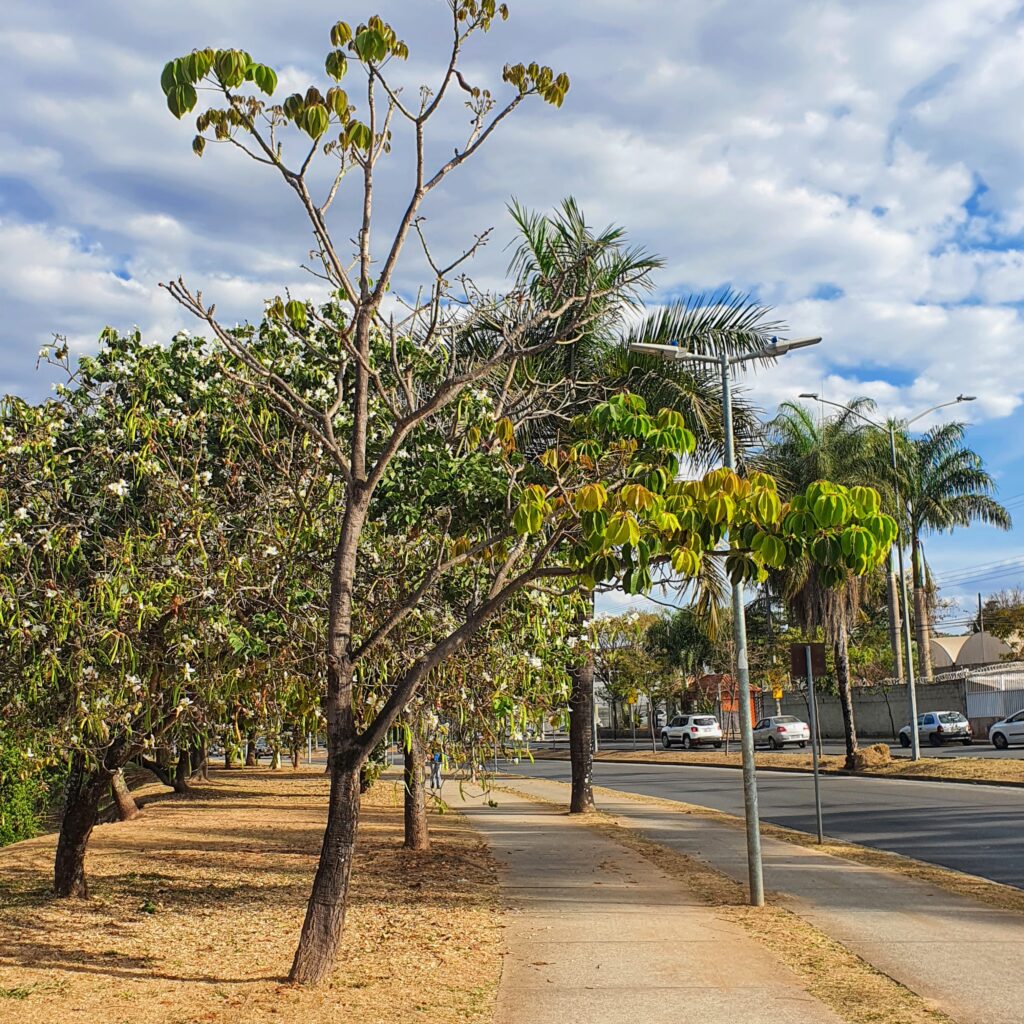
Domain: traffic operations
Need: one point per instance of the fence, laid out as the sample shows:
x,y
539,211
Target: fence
x,y
995,692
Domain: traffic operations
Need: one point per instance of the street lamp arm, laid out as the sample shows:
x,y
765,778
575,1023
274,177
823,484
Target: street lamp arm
x,y
941,405
847,408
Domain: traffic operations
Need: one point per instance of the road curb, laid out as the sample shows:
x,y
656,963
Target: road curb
x,y
788,770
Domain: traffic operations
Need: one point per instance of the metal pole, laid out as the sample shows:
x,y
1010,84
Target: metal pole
x,y
739,625
981,624
915,738
812,707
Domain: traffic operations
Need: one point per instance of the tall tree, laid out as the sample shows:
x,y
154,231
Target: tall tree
x,y
944,485
804,448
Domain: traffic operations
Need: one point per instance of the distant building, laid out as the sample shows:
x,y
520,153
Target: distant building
x,y
968,651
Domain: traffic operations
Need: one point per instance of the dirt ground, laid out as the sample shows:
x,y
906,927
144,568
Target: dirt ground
x,y
197,906
980,769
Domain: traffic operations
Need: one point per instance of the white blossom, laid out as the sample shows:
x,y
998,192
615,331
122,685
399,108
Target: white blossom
x,y
21,513
270,551
535,662
118,487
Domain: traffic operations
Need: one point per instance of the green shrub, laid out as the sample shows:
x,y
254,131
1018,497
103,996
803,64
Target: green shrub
x,y
23,796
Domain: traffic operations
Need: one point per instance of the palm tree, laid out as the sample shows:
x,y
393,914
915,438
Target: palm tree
x,y
801,450
601,363
943,485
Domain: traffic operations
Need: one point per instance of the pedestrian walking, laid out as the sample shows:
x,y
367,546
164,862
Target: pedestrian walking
x,y
435,770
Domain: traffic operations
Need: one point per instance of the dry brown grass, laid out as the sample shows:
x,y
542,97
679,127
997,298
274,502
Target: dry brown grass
x,y
956,769
197,906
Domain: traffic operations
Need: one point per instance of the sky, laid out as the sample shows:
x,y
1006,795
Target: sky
x,y
856,165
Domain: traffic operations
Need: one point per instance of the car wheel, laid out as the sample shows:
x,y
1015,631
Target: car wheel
x,y
773,743
718,746
967,743
935,739
803,743
904,740
665,741
686,743
999,741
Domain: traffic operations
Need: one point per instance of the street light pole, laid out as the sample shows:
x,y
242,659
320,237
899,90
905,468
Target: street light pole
x,y
915,737
739,619
725,363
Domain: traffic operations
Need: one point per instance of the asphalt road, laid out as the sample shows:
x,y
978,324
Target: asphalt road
x,y
978,749
978,829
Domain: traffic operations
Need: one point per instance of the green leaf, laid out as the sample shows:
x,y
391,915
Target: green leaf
x,y
371,46
336,65
341,33
265,78
181,99
316,120
198,145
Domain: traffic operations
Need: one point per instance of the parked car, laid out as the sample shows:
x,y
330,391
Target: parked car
x,y
692,731
939,726
1009,730
778,730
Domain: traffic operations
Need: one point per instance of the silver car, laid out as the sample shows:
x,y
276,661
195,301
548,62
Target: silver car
x,y
778,730
691,731
938,727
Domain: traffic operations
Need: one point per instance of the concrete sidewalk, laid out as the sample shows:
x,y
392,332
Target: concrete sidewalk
x,y
599,935
963,956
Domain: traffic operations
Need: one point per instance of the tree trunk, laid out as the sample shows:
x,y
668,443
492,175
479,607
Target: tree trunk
x,y
201,761
892,600
417,835
841,651
229,760
581,740
650,723
81,807
127,808
182,771
325,914
251,760
922,628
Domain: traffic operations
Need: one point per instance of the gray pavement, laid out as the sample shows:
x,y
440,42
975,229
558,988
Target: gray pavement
x,y
964,956
972,828
598,935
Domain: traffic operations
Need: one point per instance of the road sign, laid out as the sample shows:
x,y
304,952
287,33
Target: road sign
x,y
776,693
798,660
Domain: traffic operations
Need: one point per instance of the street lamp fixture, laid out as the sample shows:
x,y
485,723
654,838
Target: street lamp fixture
x,y
725,362
890,429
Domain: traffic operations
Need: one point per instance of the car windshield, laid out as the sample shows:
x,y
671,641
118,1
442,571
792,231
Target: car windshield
x,y
951,716
703,721
787,720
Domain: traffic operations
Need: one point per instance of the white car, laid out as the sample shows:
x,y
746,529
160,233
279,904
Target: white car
x,y
778,730
939,727
1009,730
692,731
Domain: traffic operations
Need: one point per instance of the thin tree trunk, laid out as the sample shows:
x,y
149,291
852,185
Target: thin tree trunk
x,y
922,627
325,914
251,760
417,834
841,651
201,762
127,808
895,624
81,807
650,723
229,760
581,740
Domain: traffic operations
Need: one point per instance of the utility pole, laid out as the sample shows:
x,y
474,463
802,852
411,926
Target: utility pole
x,y
981,623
